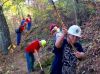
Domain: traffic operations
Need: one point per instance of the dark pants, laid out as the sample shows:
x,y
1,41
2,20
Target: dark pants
x,y
56,67
29,26
18,38
30,61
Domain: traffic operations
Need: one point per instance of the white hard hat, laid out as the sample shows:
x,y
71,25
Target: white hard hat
x,y
75,30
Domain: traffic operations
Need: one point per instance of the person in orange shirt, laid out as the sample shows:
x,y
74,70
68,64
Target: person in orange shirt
x,y
30,50
19,33
29,22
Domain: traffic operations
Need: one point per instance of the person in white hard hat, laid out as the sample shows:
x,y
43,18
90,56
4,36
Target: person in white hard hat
x,y
70,57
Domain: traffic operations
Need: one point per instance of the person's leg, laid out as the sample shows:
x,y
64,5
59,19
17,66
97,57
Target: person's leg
x,y
56,67
53,66
29,26
32,61
28,59
18,38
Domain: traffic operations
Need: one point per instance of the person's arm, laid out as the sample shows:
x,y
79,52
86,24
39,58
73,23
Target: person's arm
x,y
25,23
80,55
60,39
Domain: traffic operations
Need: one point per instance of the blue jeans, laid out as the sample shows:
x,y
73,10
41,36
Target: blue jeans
x,y
28,26
18,38
30,61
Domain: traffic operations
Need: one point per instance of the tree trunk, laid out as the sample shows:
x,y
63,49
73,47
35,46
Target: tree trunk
x,y
5,40
81,12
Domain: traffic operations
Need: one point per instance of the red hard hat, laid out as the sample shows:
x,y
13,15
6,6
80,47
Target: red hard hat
x,y
52,25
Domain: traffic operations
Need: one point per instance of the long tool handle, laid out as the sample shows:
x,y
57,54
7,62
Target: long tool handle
x,y
73,47
38,59
59,17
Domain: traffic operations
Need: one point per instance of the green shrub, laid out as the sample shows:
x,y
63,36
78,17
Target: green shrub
x,y
91,11
47,62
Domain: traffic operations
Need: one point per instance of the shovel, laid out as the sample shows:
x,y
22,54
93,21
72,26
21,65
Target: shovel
x,y
42,71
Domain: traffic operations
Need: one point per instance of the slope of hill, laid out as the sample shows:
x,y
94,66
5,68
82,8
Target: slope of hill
x,y
15,63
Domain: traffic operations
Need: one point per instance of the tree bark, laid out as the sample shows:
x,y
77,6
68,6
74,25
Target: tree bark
x,y
5,40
